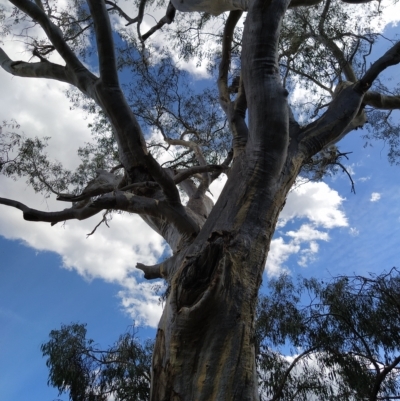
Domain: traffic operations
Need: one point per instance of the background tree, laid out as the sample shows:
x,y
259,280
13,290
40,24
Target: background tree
x,y
205,346
343,338
88,373
343,335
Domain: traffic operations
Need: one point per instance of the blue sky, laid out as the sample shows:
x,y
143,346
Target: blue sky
x,y
55,275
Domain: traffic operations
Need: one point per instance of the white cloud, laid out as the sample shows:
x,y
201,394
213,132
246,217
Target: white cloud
x,y
354,232
315,201
375,196
320,206
279,253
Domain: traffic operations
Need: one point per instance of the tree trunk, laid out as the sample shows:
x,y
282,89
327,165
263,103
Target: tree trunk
x,y
205,341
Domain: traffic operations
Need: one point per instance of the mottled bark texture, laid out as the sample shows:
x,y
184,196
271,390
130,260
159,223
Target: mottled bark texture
x,y
205,347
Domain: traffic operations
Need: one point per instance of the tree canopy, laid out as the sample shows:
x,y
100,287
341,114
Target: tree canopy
x,y
290,80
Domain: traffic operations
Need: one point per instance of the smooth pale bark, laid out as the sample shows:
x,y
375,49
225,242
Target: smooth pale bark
x,y
205,341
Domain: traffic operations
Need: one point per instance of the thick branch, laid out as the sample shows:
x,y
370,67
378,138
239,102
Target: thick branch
x,y
128,202
160,270
167,19
266,98
105,43
391,57
379,101
191,145
52,217
234,17
103,183
34,70
53,32
331,125
150,272
185,174
82,77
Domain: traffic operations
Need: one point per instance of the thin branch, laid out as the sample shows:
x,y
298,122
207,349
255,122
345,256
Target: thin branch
x,y
381,377
309,77
278,393
333,47
81,77
53,32
130,20
353,188
103,220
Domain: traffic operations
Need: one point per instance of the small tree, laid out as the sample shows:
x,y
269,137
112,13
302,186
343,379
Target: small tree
x,y
344,336
248,129
88,373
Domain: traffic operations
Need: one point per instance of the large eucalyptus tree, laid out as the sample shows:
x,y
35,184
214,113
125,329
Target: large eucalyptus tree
x,y
205,344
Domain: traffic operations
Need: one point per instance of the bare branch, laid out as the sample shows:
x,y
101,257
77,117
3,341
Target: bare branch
x,y
167,19
333,123
391,57
379,101
84,79
185,174
191,145
128,202
145,184
130,20
224,65
43,69
54,34
103,183
160,270
105,43
150,272
103,220
75,212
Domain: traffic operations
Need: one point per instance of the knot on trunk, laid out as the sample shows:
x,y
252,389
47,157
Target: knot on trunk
x,y
198,272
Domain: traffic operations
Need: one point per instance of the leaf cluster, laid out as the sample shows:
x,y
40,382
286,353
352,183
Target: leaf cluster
x,y
87,373
343,336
